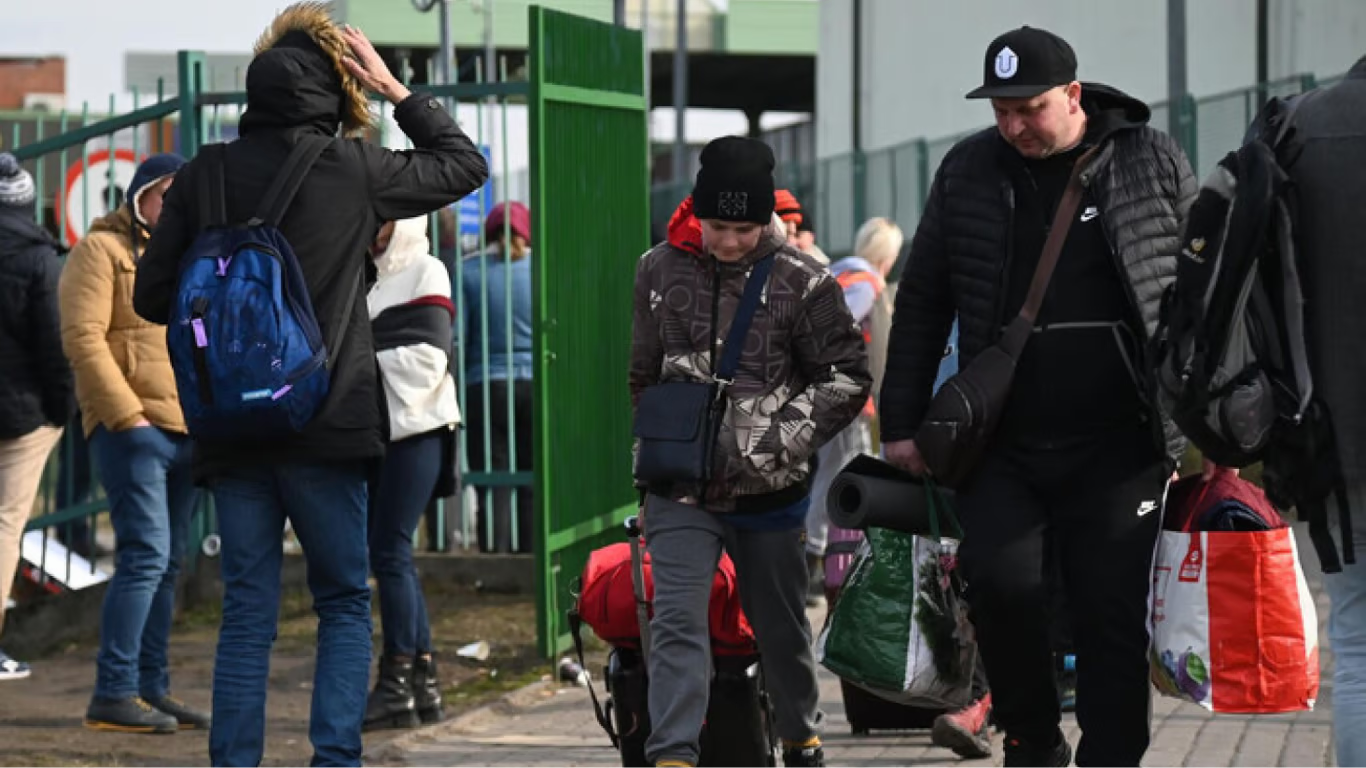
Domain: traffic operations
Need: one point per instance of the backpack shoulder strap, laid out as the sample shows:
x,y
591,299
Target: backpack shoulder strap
x,y
290,177
213,207
1288,120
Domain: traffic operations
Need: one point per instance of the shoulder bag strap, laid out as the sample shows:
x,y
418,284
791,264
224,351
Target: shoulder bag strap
x,y
1057,235
744,315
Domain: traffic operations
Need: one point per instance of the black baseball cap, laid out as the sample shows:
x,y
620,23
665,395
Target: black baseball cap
x,y
1025,62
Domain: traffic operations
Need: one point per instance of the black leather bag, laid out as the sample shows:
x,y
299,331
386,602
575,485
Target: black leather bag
x,y
966,410
677,422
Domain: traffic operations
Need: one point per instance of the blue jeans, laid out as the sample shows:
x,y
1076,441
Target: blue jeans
x,y
396,506
1347,635
326,505
146,475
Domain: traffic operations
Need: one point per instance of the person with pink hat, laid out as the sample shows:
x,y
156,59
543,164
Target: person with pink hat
x,y
498,372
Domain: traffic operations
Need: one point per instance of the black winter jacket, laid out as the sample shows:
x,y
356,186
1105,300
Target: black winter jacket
x,y
1143,185
352,189
1330,191
36,386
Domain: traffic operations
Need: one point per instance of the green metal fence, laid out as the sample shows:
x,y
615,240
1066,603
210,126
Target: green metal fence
x,y
894,181
590,191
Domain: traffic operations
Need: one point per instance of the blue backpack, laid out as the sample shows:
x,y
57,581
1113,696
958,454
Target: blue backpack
x,y
249,358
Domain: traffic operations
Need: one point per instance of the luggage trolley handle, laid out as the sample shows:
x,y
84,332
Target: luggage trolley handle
x,y
633,533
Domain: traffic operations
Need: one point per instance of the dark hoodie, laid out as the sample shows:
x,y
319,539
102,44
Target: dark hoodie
x,y
36,386
1087,325
295,87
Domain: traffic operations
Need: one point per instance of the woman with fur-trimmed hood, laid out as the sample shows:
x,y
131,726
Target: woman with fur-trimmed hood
x,y
308,79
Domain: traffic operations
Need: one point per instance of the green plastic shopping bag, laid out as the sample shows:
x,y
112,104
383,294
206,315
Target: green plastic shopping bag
x,y
900,628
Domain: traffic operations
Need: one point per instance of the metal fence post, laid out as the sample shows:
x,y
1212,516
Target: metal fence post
x,y
860,173
190,73
1186,116
923,170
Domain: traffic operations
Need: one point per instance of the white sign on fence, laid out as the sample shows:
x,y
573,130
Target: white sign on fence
x,y
85,195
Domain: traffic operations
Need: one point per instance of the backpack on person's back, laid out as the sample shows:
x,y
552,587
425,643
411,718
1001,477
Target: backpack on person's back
x,y
1231,354
249,357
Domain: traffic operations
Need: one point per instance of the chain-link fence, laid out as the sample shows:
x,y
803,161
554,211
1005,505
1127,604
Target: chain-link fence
x,y
847,189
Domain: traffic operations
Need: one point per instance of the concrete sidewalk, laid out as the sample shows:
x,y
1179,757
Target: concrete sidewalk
x,y
554,726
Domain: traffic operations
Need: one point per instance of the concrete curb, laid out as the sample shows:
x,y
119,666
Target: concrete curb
x,y
395,749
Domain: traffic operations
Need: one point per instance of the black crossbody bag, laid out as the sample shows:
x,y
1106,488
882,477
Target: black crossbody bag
x,y
677,422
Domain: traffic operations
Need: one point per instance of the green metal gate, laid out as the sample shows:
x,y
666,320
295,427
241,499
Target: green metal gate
x,y
590,193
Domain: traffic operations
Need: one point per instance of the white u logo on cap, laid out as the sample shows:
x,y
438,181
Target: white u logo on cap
x,y
1007,63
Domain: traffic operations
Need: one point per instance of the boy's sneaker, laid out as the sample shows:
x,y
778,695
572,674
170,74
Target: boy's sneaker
x,y
186,716
13,669
965,731
130,715
807,757
1058,754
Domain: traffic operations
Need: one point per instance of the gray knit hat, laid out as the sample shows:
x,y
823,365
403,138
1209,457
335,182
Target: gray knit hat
x,y
16,185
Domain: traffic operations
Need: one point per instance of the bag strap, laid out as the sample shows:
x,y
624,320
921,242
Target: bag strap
x,y
1287,120
576,632
287,182
744,316
939,506
633,534
1057,235
213,207
343,323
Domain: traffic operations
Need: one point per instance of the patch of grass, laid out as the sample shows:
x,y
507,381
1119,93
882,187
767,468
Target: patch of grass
x,y
493,683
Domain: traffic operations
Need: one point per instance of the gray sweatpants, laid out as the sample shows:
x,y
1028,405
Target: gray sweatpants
x,y
685,545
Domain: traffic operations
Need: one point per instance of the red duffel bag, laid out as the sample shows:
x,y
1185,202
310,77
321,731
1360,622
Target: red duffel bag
x,y
607,602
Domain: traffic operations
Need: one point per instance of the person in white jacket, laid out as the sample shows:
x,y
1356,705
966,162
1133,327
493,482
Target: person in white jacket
x,y
411,315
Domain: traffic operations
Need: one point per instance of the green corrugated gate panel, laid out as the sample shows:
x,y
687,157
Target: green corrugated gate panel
x,y
590,195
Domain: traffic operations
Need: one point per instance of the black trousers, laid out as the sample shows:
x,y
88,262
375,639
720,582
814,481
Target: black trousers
x,y
1095,511
495,524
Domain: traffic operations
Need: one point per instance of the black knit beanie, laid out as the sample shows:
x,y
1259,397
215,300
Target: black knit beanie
x,y
735,182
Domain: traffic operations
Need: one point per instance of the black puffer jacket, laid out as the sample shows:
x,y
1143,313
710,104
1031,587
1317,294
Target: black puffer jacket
x,y
1143,185
353,188
36,387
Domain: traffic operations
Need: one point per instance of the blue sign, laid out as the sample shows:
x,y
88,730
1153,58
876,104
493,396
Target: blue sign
x,y
474,208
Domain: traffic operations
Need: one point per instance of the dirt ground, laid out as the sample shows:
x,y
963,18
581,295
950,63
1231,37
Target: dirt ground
x,y
40,718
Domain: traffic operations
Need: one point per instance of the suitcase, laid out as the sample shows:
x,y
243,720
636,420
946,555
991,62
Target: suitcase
x,y
866,712
738,729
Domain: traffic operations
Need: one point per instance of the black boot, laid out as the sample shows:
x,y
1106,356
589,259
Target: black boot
x,y
427,690
391,703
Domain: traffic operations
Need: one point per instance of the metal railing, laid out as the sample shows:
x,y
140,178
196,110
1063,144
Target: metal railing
x,y
894,181
81,164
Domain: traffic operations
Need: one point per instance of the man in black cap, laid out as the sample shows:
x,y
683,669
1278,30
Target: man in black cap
x,y
1082,452
801,378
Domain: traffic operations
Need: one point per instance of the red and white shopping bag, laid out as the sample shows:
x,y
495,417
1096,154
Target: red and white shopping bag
x,y
1233,622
